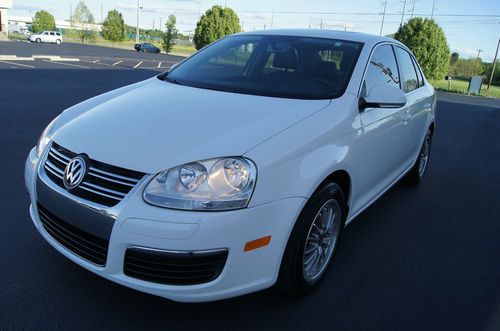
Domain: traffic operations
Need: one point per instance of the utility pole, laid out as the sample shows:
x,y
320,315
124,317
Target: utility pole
x,y
433,7
413,9
494,65
477,60
153,25
199,10
160,24
321,24
383,17
71,14
272,18
403,14
102,16
137,26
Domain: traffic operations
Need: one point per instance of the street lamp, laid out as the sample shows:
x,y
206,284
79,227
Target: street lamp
x,y
137,27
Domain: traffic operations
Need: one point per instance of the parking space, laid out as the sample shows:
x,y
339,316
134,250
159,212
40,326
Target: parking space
x,y
21,55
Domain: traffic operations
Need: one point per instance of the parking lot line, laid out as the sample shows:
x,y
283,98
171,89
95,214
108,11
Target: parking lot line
x,y
18,64
138,64
159,65
67,64
116,63
96,61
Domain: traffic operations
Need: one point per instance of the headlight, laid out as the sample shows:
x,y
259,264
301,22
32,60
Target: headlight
x,y
45,137
217,184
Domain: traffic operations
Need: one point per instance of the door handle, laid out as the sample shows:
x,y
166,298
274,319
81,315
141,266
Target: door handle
x,y
405,116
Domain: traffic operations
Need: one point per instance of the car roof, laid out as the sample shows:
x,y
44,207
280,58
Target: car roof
x,y
323,33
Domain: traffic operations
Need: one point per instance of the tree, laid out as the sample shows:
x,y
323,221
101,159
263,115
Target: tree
x,y
43,21
216,23
453,58
83,18
427,41
113,27
170,34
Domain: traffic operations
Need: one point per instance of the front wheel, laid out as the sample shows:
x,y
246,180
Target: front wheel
x,y
38,40
313,241
416,174
58,41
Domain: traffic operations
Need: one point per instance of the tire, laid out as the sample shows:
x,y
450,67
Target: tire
x,y
296,277
58,41
38,40
417,173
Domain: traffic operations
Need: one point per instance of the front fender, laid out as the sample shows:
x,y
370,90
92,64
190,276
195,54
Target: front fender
x,y
296,161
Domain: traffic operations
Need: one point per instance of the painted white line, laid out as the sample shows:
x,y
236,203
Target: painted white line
x,y
15,58
18,64
116,63
138,64
96,61
67,64
159,65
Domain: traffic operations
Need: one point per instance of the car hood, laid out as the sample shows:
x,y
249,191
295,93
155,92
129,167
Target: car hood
x,y
155,125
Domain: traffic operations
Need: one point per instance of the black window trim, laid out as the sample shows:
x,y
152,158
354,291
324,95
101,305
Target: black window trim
x,y
419,69
413,61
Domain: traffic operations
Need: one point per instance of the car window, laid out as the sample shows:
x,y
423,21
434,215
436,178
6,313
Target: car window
x,y
419,72
52,34
279,66
382,69
45,33
410,80
57,33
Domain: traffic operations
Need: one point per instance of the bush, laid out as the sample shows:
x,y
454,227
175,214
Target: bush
x,y
216,23
428,43
43,21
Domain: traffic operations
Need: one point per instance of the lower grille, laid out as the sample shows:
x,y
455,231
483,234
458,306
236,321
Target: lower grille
x,y
81,243
174,268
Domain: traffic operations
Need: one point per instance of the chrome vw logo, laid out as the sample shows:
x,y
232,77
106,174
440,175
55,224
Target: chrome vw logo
x,y
74,172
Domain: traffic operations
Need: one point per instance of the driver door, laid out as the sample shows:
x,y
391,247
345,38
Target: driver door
x,y
384,131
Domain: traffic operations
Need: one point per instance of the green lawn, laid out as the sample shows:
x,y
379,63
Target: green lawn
x,y
460,86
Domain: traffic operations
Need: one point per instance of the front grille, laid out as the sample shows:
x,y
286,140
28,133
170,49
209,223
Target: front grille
x,y
174,268
103,184
81,243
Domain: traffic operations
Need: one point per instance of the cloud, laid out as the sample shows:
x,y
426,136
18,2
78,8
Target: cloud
x,y
154,8
27,8
147,9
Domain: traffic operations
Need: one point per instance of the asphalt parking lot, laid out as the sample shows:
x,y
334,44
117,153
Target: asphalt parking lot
x,y
25,55
424,258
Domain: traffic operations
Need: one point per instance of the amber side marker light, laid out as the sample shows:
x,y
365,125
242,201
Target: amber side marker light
x,y
257,243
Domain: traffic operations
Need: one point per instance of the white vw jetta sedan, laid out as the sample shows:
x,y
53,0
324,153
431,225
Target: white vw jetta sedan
x,y
249,159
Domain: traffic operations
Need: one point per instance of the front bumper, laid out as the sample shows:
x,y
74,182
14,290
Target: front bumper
x,y
137,224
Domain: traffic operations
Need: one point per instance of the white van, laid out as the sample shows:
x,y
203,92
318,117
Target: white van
x,y
46,37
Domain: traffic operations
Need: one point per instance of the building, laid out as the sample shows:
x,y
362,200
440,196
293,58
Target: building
x,y
4,6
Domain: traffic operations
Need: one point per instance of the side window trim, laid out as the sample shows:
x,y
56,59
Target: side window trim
x,y
414,69
419,70
397,66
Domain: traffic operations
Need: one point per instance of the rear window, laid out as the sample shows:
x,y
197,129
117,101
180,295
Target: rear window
x,y
278,66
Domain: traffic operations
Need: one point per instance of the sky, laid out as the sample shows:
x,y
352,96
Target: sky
x,y
465,34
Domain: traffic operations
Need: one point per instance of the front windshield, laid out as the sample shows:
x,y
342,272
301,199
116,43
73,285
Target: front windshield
x,y
277,66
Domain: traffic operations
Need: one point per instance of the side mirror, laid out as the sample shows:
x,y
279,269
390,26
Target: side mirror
x,y
383,96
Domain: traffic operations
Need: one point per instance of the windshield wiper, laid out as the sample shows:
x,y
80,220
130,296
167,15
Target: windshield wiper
x,y
171,80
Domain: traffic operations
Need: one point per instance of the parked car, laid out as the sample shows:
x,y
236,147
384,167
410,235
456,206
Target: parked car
x,y
147,48
243,169
46,37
